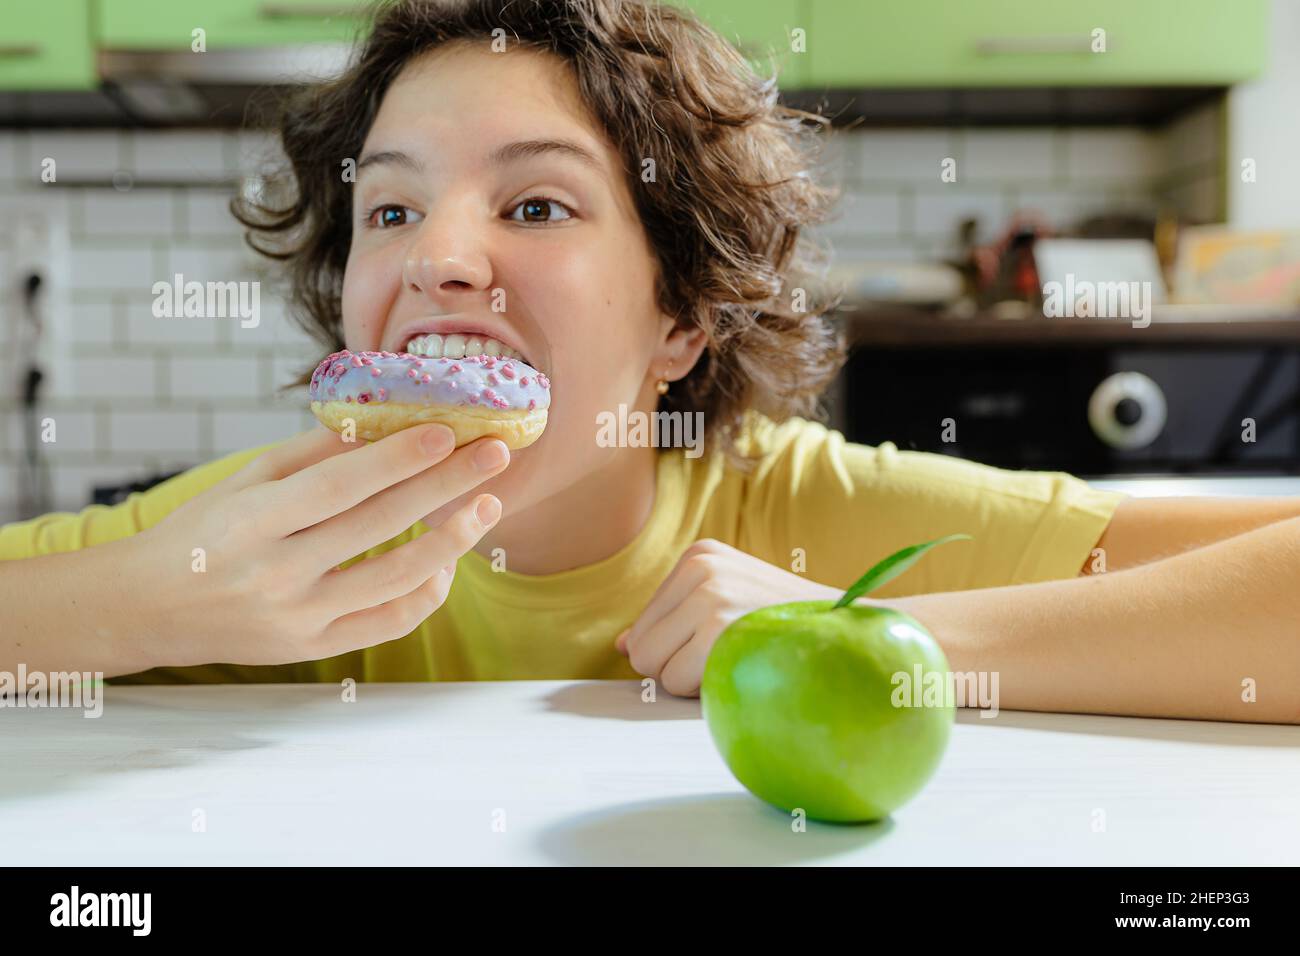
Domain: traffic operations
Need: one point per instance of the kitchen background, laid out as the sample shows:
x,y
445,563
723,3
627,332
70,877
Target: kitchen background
x,y
969,137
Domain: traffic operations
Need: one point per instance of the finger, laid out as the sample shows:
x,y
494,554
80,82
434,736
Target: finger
x,y
698,556
392,511
683,673
651,650
292,455
387,622
688,574
390,575
320,491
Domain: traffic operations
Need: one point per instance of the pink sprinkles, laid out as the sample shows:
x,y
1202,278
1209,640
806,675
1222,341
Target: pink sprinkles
x,y
494,368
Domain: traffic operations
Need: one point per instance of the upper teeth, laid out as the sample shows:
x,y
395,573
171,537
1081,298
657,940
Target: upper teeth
x,y
459,346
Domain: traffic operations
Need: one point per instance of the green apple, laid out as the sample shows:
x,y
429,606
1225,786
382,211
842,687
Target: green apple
x,y
802,701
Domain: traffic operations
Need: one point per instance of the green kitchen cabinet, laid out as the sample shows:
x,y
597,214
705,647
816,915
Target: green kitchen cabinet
x,y
46,46
227,24
760,28
757,26
899,43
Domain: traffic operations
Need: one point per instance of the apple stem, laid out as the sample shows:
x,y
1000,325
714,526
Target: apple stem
x,y
891,567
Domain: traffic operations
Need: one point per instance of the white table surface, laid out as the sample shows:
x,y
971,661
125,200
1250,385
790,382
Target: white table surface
x,y
1178,486
586,773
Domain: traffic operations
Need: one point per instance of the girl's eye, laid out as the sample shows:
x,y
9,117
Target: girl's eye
x,y
390,215
535,209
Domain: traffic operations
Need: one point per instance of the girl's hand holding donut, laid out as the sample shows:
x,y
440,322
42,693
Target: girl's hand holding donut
x,y
266,587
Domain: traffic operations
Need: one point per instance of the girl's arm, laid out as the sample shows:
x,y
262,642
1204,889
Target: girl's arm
x,y
251,570
75,611
1185,636
1147,529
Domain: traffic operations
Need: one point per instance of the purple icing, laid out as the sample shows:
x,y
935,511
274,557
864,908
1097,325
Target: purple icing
x,y
483,380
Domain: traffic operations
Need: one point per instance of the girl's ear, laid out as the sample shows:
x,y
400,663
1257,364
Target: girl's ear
x,y
680,351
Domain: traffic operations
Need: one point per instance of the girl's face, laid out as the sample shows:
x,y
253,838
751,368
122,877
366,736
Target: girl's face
x,y
485,194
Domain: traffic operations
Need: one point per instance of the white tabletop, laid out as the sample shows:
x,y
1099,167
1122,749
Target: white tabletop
x,y
1159,486
586,773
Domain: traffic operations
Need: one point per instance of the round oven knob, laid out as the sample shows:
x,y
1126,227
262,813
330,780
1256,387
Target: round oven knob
x,y
1127,410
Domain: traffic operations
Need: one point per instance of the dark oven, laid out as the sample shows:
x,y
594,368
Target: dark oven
x,y
1090,409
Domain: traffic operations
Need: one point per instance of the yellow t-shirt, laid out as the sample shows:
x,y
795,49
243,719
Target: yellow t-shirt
x,y
844,505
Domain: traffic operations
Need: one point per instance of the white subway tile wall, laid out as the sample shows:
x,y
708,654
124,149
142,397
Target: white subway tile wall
x,y
904,191
179,155
8,160
133,395
69,154
1110,155
996,155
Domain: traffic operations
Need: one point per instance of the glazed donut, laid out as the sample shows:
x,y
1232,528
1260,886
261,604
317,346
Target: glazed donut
x,y
384,392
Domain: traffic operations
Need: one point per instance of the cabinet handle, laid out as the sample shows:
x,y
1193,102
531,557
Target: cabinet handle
x,y
20,49
307,11
999,46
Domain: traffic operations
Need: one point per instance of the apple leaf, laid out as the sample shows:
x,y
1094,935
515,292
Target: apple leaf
x,y
891,567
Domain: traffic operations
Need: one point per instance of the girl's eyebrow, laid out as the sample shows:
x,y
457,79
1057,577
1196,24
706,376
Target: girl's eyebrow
x,y
501,156
391,157
527,148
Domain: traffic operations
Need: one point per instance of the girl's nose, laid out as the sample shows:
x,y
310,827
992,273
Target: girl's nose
x,y
445,259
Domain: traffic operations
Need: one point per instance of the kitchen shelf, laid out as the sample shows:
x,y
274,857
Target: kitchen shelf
x,y
867,325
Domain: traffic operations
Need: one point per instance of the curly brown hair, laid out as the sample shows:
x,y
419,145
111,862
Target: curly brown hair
x,y
733,168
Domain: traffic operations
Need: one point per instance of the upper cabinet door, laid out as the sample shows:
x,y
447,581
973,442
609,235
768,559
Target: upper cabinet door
x,y
45,45
171,24
760,28
1035,42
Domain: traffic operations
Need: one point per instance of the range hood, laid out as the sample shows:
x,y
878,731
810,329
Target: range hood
x,y
1007,105
220,88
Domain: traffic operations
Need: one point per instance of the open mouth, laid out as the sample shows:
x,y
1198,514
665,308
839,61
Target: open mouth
x,y
463,345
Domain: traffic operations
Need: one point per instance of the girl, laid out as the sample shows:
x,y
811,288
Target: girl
x,y
607,187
